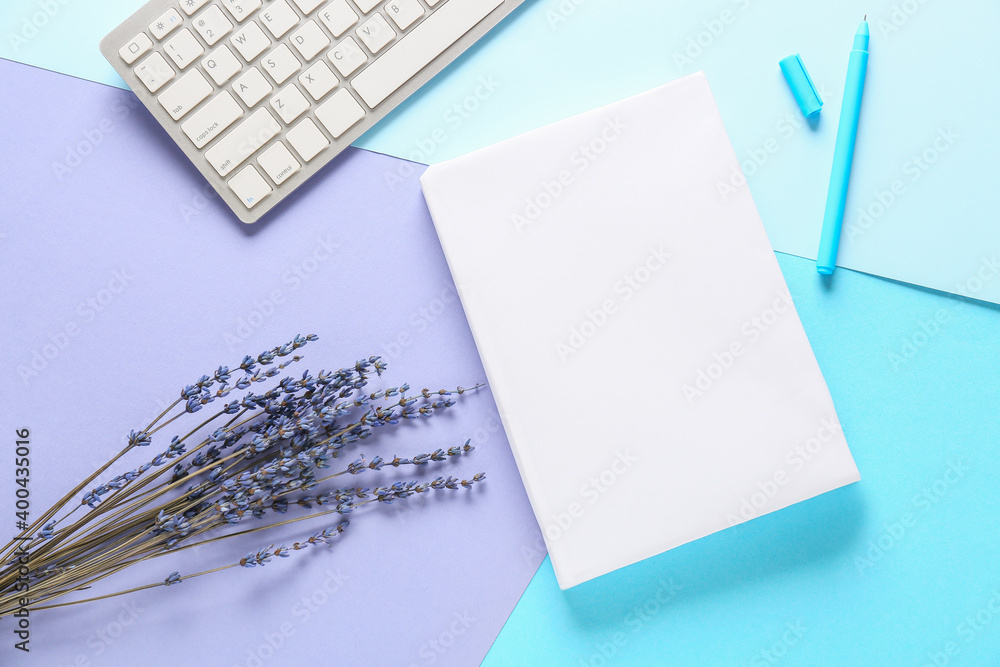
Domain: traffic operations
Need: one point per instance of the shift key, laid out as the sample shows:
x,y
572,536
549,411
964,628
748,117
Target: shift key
x,y
208,122
243,141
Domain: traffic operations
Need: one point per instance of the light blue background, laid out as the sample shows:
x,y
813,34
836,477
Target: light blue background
x,y
933,87
739,588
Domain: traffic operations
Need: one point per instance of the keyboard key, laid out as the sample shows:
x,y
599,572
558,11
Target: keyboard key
x,y
375,33
137,47
249,186
252,87
278,162
289,104
419,47
279,18
184,48
242,9
281,64
191,6
306,6
318,80
212,119
212,25
250,41
307,140
338,17
347,56
431,3
221,65
366,5
309,40
242,141
185,95
404,12
339,113
164,25
154,72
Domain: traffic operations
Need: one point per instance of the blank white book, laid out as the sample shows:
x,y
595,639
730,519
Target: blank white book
x,y
654,379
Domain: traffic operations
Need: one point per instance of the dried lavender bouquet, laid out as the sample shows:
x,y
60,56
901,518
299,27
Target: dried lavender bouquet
x,y
270,452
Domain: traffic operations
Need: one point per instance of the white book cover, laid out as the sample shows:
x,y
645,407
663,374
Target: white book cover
x,y
654,379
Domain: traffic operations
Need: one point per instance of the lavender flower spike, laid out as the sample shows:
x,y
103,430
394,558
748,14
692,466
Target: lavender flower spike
x,y
257,453
139,439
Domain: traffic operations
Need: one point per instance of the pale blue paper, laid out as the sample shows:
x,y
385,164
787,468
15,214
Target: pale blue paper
x,y
933,87
63,35
914,376
933,83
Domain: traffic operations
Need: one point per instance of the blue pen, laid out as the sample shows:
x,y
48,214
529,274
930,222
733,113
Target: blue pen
x,y
843,155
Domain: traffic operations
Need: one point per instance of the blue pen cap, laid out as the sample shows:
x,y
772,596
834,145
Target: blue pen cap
x,y
801,84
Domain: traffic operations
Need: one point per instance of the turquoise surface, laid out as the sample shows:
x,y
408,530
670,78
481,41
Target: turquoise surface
x,y
898,569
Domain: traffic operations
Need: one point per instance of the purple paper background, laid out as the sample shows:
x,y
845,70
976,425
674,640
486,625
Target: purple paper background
x,y
428,582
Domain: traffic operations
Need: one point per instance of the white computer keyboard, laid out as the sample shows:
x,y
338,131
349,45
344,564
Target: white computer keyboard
x,y
260,94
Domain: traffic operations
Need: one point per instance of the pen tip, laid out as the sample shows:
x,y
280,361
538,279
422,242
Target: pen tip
x,y
865,18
